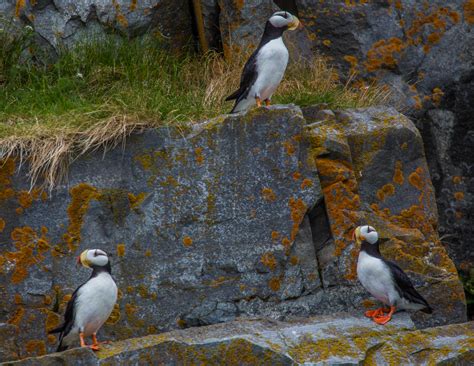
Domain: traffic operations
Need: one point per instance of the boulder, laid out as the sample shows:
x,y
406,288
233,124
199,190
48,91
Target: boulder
x,y
337,339
424,51
62,23
240,216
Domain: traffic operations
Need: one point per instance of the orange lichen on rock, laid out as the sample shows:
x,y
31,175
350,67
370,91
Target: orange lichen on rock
x,y
398,175
457,179
199,156
307,183
275,235
187,241
383,53
30,250
2,225
19,6
286,242
469,11
269,261
121,250
81,195
289,147
274,284
297,211
35,347
459,196
294,260
296,175
268,194
387,190
17,316
416,180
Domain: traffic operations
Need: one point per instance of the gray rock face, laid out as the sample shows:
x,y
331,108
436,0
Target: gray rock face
x,y
65,22
224,219
425,52
337,339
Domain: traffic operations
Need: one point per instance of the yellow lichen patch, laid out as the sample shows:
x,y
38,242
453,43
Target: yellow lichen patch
x,y
2,225
268,194
18,299
457,179
187,241
416,180
51,339
130,309
52,320
437,96
398,175
459,196
133,5
274,284
386,191
327,42
120,250
25,199
307,183
269,261
81,195
115,315
275,235
137,200
148,253
469,11
286,242
321,350
199,156
35,347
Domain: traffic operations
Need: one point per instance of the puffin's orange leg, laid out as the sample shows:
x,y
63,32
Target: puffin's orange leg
x,y
383,319
81,338
259,101
376,312
267,102
94,339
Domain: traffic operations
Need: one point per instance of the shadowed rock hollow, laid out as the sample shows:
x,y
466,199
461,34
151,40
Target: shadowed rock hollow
x,y
239,216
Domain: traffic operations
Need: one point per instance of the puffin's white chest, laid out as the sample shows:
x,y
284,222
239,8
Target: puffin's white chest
x,y
95,302
271,63
376,278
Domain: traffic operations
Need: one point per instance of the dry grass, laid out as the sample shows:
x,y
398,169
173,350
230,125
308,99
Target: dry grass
x,y
98,94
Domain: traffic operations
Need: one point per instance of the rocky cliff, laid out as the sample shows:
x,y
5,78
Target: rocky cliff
x,y
239,216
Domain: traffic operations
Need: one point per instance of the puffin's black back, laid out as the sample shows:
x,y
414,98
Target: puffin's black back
x,y
402,281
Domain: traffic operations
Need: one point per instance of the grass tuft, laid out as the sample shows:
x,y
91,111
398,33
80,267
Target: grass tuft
x,y
95,94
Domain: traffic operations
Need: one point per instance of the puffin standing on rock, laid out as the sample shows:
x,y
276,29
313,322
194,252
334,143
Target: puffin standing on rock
x,y
91,304
265,68
384,279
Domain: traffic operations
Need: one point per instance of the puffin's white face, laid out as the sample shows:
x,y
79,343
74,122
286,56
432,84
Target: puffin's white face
x,y
282,19
93,257
366,233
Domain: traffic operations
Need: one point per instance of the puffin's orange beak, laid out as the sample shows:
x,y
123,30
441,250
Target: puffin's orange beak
x,y
354,235
78,261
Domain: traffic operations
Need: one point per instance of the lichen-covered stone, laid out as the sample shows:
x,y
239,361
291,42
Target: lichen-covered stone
x,y
423,51
372,170
66,22
202,223
337,339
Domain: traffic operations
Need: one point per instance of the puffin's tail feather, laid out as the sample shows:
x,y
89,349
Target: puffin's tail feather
x,y
234,95
61,347
427,310
57,330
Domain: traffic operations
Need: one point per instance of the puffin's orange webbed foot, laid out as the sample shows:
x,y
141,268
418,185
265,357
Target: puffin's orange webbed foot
x,y
376,312
259,101
384,319
267,102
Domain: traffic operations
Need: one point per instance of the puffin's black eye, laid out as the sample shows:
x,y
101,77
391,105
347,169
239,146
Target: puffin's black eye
x,y
95,253
369,230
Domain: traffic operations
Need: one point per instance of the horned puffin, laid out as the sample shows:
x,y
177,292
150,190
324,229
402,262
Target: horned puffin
x,y
265,68
385,280
91,304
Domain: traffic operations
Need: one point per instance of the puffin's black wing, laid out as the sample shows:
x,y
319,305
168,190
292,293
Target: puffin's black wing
x,y
248,77
405,287
66,327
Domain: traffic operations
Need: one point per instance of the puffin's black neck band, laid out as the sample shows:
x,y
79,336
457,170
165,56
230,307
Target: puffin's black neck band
x,y
96,270
270,33
371,249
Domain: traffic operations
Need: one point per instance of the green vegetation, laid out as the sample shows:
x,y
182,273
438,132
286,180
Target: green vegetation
x,y
95,93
